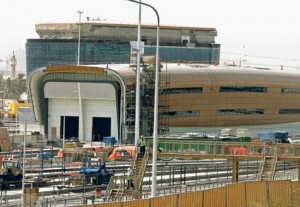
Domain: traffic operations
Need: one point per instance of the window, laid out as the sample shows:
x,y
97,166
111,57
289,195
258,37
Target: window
x,y
291,90
243,89
182,90
289,111
240,111
185,39
173,114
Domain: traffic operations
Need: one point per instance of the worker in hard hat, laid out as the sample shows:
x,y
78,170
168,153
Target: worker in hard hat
x,y
130,175
142,145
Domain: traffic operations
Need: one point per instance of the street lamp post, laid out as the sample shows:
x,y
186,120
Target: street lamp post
x,y
23,159
23,168
79,34
64,135
138,79
64,120
64,124
155,124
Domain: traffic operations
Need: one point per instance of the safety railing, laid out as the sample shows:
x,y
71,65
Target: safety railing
x,y
262,164
135,155
274,163
209,148
288,150
140,175
181,146
115,188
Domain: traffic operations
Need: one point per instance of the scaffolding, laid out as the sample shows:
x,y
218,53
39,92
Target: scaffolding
x,y
163,120
130,112
147,103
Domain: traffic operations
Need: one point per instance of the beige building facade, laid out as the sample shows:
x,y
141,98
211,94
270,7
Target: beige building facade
x,y
190,95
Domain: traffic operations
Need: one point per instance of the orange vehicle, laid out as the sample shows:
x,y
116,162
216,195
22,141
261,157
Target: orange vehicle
x,y
122,152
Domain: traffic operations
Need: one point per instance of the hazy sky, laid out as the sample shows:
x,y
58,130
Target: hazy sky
x,y
261,31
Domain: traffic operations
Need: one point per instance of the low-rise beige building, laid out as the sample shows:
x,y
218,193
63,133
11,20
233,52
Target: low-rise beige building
x,y
95,102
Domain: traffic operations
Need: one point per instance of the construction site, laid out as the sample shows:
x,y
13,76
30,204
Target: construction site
x,y
86,115
96,175
67,164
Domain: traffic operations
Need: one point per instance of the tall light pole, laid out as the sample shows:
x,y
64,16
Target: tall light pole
x,y
155,124
23,159
138,79
64,135
64,124
64,120
79,34
23,168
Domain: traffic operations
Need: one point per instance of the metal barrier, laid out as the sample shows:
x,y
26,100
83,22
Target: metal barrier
x,y
247,149
251,194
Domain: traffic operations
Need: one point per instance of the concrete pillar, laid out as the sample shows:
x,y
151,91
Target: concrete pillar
x,y
235,170
81,136
32,195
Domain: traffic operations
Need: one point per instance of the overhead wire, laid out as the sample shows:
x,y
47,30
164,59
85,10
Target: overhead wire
x,y
261,56
242,57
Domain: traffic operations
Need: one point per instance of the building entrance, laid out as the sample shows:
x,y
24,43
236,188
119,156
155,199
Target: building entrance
x,y
101,128
71,127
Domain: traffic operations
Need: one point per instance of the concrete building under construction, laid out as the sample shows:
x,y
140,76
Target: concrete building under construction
x,y
106,43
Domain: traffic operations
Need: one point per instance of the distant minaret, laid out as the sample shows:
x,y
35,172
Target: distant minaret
x,y
13,63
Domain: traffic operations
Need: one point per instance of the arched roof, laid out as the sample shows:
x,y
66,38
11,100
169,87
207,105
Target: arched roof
x,y
70,73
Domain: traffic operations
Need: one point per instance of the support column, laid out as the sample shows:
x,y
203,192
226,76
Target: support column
x,y
235,170
81,127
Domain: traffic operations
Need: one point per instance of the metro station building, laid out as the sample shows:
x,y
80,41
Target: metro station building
x,y
105,44
96,99
92,102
